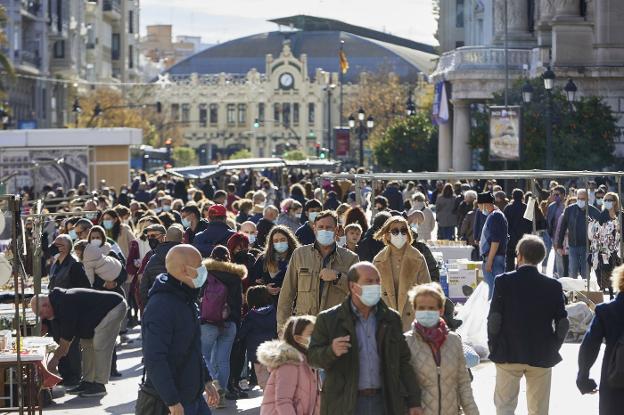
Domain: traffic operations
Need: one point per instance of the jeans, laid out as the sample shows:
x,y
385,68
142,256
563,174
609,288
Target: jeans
x,y
216,348
577,258
498,267
369,405
549,244
199,407
446,233
559,271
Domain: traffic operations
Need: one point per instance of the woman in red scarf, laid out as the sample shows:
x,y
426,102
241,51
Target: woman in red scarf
x,y
437,356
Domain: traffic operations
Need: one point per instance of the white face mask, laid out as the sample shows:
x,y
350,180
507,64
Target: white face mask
x,y
342,240
419,205
398,241
96,242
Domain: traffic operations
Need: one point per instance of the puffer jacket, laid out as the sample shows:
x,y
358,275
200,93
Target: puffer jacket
x,y
302,282
292,388
232,276
443,395
96,261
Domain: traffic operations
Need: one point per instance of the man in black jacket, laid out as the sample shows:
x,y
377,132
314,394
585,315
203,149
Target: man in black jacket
x,y
217,231
525,307
369,246
517,226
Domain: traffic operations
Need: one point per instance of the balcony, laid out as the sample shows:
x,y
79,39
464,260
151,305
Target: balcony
x,y
112,9
31,8
29,56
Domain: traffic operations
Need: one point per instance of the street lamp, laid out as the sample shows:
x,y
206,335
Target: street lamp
x,y
549,79
77,110
570,90
361,114
364,125
410,107
527,92
549,84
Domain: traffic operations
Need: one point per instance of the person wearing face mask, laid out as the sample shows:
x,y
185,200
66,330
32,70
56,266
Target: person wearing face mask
x,y
192,222
120,233
360,346
604,257
96,260
574,224
291,214
425,228
437,356
316,273
524,337
553,214
161,241
305,233
292,386
217,231
176,371
401,267
251,232
493,240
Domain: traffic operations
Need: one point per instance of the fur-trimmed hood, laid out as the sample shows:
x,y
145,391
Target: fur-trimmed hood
x,y
276,353
229,267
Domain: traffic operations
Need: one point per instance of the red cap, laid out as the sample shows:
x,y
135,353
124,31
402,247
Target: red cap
x,y
217,211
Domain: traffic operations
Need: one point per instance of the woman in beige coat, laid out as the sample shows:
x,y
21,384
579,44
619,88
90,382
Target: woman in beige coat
x,y
400,265
438,357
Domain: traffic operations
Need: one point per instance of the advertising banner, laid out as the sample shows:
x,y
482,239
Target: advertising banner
x,y
505,133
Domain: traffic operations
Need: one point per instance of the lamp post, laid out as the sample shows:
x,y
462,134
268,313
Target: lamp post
x,y
410,107
77,110
549,84
363,129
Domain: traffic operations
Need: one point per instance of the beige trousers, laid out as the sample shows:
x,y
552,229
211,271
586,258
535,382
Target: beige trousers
x,y
508,387
98,351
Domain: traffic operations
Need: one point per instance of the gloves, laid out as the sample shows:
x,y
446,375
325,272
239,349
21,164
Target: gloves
x,y
586,385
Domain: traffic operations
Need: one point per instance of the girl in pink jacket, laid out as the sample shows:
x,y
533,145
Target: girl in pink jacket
x,y
292,388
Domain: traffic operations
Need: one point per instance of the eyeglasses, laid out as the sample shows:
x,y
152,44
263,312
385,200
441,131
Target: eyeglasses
x,y
402,231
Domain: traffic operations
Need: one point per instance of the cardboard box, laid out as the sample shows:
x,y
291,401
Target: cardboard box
x,y
462,283
595,297
467,264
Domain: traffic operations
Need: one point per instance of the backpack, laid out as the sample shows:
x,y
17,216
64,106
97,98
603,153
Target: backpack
x,y
615,371
214,308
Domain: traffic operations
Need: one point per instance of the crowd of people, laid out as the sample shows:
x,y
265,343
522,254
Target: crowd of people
x,y
310,287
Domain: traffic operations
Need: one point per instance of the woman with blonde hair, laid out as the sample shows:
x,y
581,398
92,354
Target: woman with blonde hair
x,y
606,244
400,265
607,326
437,356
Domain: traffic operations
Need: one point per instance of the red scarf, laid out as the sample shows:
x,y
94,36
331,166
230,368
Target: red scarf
x,y
433,336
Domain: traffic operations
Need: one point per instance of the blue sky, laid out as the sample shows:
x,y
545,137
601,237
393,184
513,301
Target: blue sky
x,y
220,21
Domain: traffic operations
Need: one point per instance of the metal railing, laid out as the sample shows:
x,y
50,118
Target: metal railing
x,y
481,57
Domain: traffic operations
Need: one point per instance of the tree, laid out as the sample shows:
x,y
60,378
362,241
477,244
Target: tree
x,y
409,143
5,64
241,154
583,133
184,156
294,155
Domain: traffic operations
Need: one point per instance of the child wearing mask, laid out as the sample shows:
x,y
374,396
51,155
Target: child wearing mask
x,y
292,386
353,233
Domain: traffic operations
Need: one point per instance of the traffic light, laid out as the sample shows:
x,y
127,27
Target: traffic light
x,y
318,150
323,153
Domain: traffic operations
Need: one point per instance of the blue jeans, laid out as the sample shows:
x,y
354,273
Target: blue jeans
x,y
216,347
199,407
577,259
446,233
559,267
549,244
369,405
498,267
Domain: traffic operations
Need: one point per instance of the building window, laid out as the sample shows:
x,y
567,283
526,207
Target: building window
x,y
295,113
186,113
130,56
286,113
231,114
203,115
261,112
175,112
242,114
276,113
59,49
459,13
311,113
131,21
459,44
115,46
214,114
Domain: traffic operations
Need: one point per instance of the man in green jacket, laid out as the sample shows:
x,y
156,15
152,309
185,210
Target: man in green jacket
x,y
361,347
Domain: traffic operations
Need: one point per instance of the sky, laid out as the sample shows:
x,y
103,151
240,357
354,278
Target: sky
x,y
218,21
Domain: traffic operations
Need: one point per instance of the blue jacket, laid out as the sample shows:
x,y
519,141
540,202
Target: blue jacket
x,y
608,325
574,223
173,366
216,233
259,326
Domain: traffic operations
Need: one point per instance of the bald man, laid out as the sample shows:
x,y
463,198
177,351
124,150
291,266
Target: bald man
x,y
174,367
92,316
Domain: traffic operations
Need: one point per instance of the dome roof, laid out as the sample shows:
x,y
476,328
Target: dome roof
x,y
321,47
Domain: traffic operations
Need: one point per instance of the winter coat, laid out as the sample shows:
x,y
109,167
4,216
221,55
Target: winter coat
x,y
155,266
395,198
173,366
231,275
466,230
292,223
216,233
517,225
97,261
369,247
259,326
302,282
260,275
413,272
123,240
305,234
426,228
292,388
68,274
263,226
340,389
574,223
442,394
444,211
607,325
189,234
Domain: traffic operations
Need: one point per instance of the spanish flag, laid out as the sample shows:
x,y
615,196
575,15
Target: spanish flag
x,y
344,63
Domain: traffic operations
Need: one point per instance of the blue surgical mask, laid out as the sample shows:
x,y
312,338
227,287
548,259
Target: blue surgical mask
x,y
485,211
608,205
186,223
312,216
581,204
251,237
108,225
202,275
325,238
73,235
599,201
370,294
166,208
280,247
428,318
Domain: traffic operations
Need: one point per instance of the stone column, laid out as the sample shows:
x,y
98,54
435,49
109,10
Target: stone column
x,y
571,33
517,22
609,35
445,155
461,135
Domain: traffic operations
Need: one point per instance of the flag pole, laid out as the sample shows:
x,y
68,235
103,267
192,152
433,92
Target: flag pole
x,y
341,82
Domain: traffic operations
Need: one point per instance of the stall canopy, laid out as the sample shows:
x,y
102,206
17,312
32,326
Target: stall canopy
x,y
204,172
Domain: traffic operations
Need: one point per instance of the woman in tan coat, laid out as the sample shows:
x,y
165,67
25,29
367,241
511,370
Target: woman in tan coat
x,y
438,357
400,265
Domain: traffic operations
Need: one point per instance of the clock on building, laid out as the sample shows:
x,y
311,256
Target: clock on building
x,y
286,80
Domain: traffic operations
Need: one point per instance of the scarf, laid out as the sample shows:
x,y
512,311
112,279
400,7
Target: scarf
x,y
433,336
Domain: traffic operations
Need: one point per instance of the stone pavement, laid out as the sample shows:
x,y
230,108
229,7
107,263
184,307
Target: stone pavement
x,y
565,398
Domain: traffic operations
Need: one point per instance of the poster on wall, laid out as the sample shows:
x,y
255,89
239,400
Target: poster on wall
x,y
505,133
342,142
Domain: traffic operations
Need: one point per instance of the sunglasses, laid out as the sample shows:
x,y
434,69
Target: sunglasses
x,y
402,231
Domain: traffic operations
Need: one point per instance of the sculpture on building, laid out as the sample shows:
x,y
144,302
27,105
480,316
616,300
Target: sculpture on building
x,y
568,7
546,10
